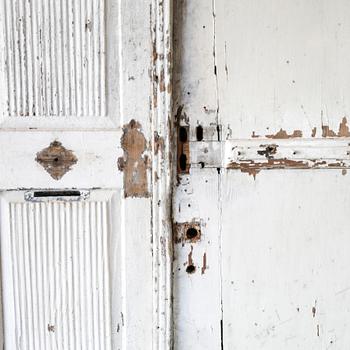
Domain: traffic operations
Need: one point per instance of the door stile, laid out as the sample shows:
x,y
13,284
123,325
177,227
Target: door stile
x,y
162,172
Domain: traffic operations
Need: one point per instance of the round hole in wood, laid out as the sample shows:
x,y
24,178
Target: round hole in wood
x,y
191,233
190,269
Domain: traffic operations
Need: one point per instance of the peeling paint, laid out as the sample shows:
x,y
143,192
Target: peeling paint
x,y
343,130
56,160
268,151
282,134
158,143
187,232
134,163
313,133
254,167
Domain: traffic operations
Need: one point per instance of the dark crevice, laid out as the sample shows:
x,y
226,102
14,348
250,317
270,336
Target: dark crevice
x,y
222,334
41,194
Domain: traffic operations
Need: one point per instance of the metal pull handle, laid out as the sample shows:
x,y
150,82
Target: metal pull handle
x,y
56,195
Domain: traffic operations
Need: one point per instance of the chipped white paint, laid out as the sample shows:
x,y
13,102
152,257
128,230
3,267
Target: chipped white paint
x,y
267,81
322,153
162,173
76,72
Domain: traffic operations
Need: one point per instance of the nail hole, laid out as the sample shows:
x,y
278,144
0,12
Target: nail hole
x,y
191,233
190,269
183,162
183,134
202,165
55,160
199,133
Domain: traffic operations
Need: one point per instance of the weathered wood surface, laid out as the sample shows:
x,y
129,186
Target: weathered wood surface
x,y
267,82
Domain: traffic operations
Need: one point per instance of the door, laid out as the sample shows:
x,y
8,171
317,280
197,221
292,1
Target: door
x,y
79,249
261,201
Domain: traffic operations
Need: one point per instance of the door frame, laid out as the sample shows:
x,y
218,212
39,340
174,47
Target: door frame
x,y
163,160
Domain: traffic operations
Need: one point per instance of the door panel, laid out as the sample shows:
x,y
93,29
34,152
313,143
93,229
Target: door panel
x,y
56,62
285,261
260,88
59,269
69,71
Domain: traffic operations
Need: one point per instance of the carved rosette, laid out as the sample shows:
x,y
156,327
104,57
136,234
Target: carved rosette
x,y
56,159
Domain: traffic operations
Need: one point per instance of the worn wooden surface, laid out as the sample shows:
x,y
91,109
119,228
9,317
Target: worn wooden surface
x,y
267,81
76,73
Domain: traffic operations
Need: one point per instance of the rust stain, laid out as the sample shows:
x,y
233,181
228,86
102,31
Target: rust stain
x,y
282,134
134,163
313,133
343,130
204,267
56,159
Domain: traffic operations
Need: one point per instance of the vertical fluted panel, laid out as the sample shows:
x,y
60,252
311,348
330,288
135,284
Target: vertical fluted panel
x,y
60,274
55,57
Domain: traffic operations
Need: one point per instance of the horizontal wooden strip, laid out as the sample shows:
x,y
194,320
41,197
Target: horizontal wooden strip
x,y
251,156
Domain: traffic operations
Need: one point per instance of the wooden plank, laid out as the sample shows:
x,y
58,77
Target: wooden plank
x,y
282,66
197,274
285,260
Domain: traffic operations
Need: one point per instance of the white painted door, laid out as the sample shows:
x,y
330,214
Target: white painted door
x,y
261,205
79,254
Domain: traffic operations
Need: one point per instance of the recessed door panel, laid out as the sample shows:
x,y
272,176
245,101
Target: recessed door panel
x,y
57,254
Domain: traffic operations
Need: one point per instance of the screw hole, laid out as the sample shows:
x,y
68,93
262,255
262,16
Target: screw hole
x,y
190,269
191,233
199,133
183,134
183,162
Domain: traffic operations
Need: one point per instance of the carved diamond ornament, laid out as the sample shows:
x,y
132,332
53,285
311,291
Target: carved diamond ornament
x,y
56,159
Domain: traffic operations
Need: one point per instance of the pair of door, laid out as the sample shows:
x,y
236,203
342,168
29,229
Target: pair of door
x,y
174,174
